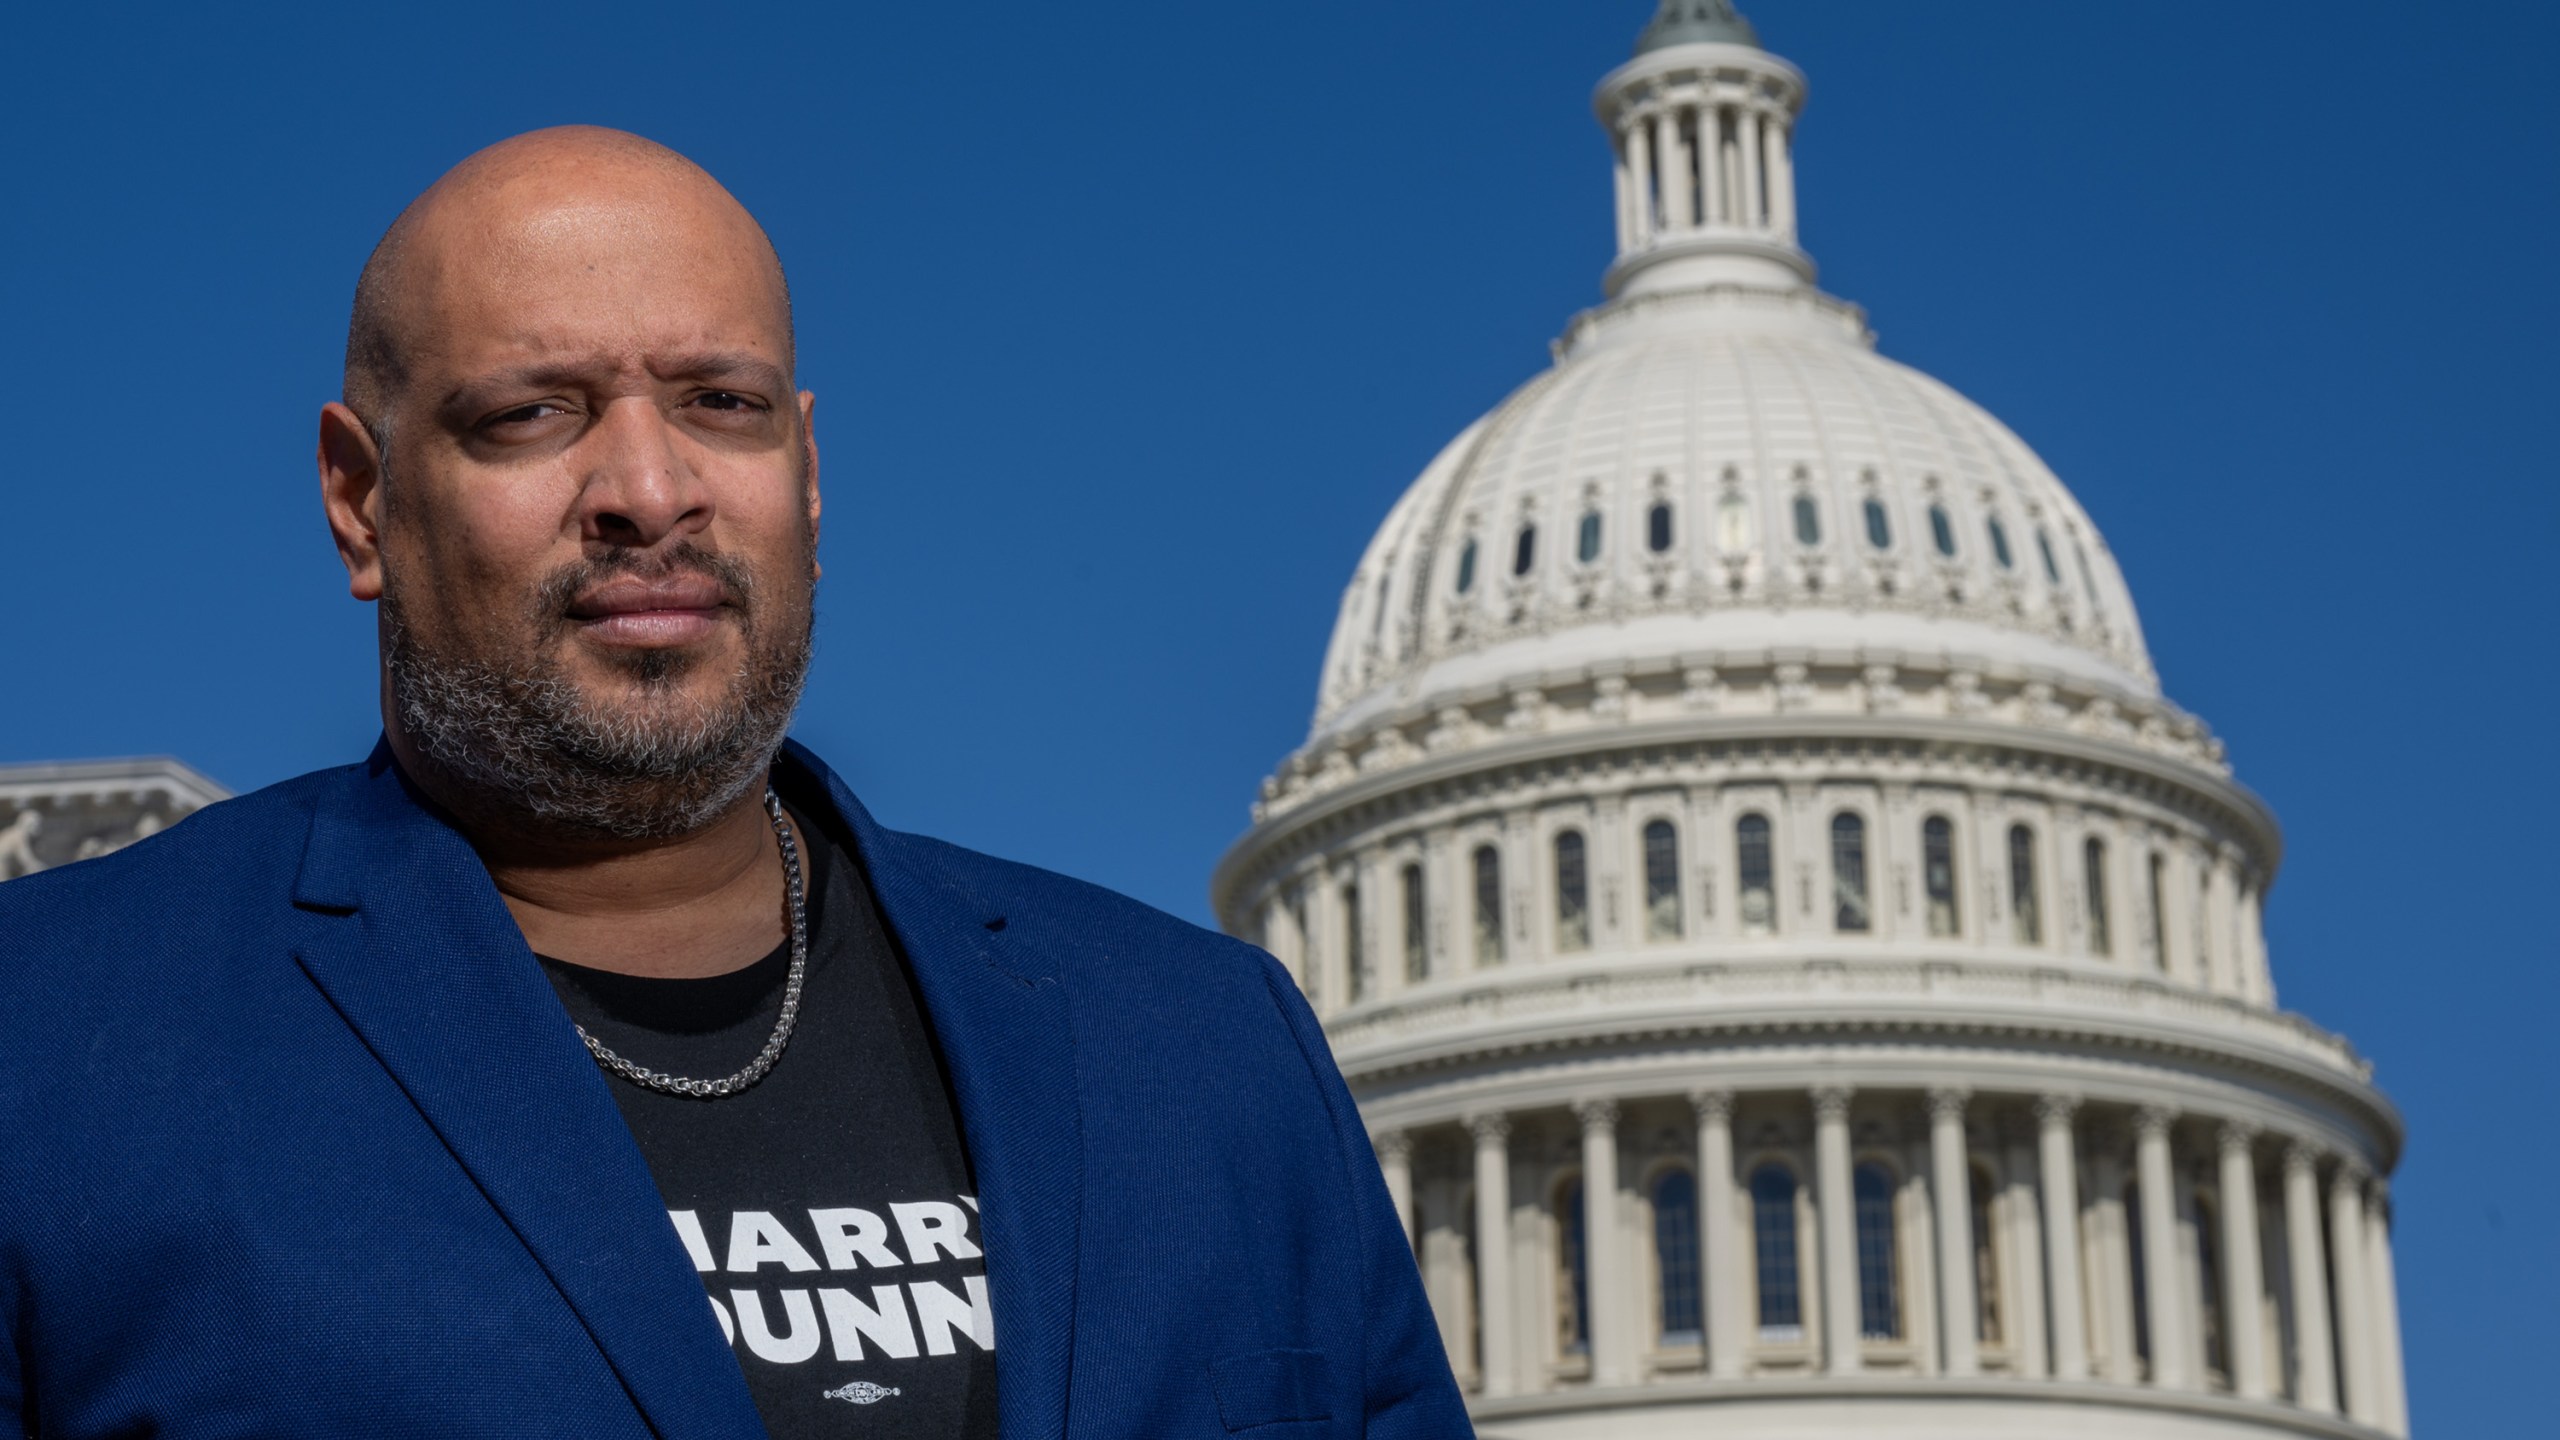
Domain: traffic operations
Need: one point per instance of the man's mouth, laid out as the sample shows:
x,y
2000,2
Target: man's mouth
x,y
650,614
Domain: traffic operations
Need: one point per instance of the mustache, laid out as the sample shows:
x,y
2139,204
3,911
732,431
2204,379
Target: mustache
x,y
563,586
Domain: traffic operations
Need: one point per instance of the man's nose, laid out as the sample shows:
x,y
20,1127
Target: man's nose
x,y
639,489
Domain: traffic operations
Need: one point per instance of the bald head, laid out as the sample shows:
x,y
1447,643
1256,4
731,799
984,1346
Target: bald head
x,y
608,194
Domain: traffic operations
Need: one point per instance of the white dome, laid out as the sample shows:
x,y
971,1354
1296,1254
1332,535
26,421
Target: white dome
x,y
1753,418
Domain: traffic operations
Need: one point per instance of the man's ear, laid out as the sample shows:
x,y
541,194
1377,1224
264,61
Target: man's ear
x,y
809,440
351,496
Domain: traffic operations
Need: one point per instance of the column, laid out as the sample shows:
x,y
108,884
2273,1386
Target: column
x,y
1445,1282
1747,123
2164,1298
1836,1198
2243,1274
2060,1172
1493,1250
1952,1181
1613,1348
1710,164
2022,1265
1781,169
1640,159
1720,1235
2384,1288
1623,178
1395,1162
2111,1258
2355,1310
2314,1384
1676,170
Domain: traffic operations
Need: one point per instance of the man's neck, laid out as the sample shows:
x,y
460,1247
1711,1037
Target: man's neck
x,y
701,904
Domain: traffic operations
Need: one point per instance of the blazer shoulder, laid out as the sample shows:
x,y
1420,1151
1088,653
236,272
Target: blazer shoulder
x,y
220,853
1078,918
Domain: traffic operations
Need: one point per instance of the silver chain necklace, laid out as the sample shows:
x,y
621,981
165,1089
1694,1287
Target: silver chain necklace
x,y
772,1051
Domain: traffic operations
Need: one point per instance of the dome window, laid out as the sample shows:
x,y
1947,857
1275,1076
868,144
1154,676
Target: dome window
x,y
2026,919
1657,527
1942,530
1573,893
1758,877
1586,540
1808,521
1938,874
1849,911
1488,905
1661,881
1524,552
2093,870
1879,525
1733,523
1774,1248
1467,567
2044,547
1675,1257
2000,545
1879,1268
2088,581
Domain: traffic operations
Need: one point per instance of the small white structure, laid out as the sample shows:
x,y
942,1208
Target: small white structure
x,y
1802,976
54,814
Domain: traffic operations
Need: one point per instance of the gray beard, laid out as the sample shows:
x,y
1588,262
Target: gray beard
x,y
526,743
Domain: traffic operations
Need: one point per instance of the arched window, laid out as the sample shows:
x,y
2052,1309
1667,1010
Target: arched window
x,y
1417,927
1488,905
1661,881
1733,523
2203,926
1938,873
2044,547
1467,566
1755,875
1573,893
2000,545
2217,1333
1675,1255
1808,521
1849,908
1524,551
1879,1269
2093,869
1573,1273
1942,530
2026,921
1355,953
2159,916
1586,543
1773,1252
1990,1327
1879,525
2088,581
1657,527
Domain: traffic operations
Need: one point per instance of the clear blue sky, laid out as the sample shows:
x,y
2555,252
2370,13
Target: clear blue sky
x,y
1129,321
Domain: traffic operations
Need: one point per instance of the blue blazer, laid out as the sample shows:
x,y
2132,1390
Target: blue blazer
x,y
295,1140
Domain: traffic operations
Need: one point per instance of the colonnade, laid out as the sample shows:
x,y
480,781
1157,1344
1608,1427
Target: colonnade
x,y
1703,165
1951,1234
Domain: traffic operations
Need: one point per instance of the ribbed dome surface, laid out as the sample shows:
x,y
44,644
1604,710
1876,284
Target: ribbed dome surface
x,y
1719,473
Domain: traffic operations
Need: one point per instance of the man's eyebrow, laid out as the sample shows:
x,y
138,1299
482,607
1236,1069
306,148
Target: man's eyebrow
x,y
702,365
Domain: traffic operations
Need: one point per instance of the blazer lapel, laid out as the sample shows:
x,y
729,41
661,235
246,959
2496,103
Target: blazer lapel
x,y
1000,1014
427,966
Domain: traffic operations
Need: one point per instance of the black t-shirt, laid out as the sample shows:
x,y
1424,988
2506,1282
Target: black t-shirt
x,y
829,1208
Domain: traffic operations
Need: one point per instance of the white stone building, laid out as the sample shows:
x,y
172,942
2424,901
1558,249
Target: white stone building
x,y
1800,972
54,814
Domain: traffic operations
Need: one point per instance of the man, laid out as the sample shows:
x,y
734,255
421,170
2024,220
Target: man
x,y
429,1096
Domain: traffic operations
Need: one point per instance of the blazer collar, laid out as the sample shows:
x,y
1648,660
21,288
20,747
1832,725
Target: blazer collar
x,y
430,970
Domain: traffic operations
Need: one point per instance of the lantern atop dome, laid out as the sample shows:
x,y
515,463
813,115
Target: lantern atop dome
x,y
1691,22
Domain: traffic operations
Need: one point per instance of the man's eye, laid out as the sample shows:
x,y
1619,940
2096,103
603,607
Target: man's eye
x,y
724,400
523,413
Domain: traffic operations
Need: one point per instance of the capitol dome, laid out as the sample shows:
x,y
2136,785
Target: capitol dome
x,y
1799,972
